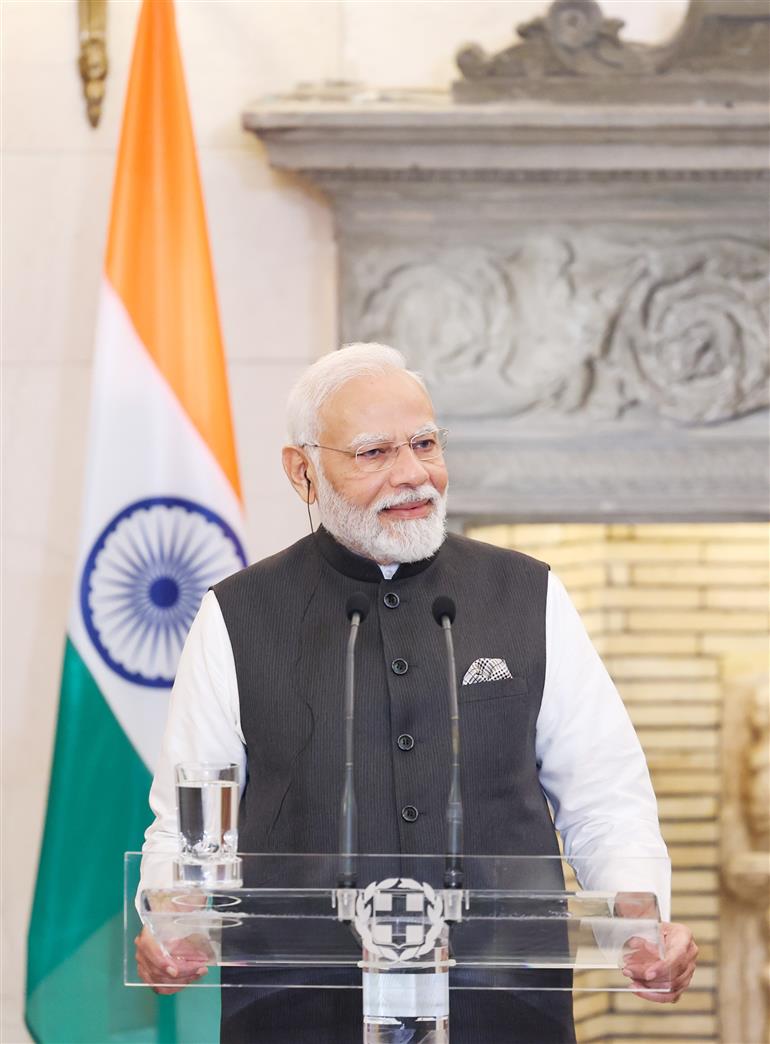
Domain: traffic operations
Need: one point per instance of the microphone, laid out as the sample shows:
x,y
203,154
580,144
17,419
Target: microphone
x,y
357,603
444,614
443,606
356,610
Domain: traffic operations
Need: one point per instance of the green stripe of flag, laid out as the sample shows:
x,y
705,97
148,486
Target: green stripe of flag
x,y
97,810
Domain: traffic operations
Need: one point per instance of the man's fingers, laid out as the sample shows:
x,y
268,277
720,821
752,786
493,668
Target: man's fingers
x,y
668,978
644,963
681,982
677,940
677,952
671,995
166,973
162,973
659,971
158,979
675,965
636,947
662,986
638,942
661,981
639,955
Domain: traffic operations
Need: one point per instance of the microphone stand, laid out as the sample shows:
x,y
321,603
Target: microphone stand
x,y
357,608
443,611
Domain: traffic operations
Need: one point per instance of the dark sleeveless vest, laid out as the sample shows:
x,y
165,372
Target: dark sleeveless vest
x,y
287,625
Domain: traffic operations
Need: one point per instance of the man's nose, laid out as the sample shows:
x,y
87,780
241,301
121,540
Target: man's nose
x,y
407,470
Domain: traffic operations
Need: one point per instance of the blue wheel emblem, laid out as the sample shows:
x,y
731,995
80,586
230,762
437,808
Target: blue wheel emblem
x,y
144,580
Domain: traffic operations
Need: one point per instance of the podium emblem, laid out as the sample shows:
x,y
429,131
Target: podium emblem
x,y
144,579
399,919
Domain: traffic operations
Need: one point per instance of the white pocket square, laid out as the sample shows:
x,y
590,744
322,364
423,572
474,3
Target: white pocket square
x,y
486,669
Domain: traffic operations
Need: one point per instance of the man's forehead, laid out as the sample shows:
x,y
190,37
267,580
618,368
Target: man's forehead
x,y
383,405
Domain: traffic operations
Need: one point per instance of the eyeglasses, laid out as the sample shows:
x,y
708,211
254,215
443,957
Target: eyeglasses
x,y
378,456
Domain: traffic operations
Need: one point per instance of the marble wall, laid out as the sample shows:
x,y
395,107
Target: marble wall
x,y
274,256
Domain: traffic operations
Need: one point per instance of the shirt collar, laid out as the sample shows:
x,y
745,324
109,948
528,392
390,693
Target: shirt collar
x,y
359,568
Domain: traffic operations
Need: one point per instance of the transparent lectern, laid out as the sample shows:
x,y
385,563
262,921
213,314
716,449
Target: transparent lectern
x,y
394,931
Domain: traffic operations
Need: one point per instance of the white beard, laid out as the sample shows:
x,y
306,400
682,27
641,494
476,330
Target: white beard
x,y
361,529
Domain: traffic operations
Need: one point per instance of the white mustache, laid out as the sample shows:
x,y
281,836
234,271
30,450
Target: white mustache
x,y
365,531
411,496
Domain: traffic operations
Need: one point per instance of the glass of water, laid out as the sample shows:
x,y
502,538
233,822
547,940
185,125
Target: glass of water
x,y
207,796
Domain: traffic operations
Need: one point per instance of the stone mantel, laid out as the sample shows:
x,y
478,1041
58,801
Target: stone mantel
x,y
583,285
426,132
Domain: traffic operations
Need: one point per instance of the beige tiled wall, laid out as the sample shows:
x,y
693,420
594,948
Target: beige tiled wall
x,y
677,611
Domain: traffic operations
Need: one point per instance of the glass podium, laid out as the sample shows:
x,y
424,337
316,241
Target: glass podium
x,y
399,935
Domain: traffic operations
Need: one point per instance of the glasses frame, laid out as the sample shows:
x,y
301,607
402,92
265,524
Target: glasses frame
x,y
355,455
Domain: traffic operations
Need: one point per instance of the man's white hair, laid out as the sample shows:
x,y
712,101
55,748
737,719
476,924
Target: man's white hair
x,y
328,374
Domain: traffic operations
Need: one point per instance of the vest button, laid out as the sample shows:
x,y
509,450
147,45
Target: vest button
x,y
409,813
399,666
391,599
405,741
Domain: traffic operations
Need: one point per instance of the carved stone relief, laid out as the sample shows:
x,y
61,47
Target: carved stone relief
x,y
576,53
689,338
745,833
576,324
573,38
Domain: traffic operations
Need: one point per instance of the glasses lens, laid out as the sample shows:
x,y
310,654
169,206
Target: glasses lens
x,y
429,446
380,455
375,457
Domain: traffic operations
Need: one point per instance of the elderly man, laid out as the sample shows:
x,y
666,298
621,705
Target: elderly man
x,y
260,682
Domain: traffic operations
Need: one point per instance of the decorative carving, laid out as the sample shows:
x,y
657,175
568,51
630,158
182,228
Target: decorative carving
x,y
721,36
574,38
92,63
690,338
745,934
579,325
574,53
757,781
495,336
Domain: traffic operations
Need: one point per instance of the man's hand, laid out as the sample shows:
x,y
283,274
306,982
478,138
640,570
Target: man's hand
x,y
671,973
187,962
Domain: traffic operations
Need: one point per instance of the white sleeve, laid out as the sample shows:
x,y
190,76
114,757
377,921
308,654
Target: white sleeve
x,y
203,725
592,767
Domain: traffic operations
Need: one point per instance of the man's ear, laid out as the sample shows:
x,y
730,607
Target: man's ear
x,y
300,473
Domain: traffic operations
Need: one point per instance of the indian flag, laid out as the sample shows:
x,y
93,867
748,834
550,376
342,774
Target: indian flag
x,y
162,521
